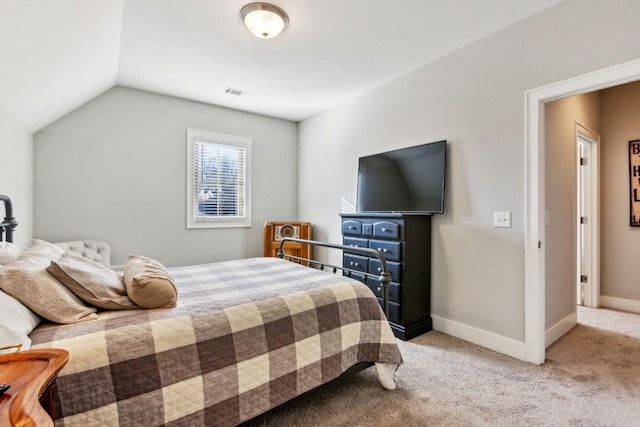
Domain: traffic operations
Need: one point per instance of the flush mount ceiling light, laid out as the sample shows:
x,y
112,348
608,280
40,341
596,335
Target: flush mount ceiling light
x,y
264,20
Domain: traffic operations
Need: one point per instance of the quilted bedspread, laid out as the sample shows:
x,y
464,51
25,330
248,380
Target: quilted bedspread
x,y
246,336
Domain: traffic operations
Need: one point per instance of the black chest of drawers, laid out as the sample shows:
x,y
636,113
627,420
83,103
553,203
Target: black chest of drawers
x,y
405,242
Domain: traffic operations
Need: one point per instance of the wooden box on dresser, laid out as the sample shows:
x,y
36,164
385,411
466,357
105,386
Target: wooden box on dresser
x,y
405,241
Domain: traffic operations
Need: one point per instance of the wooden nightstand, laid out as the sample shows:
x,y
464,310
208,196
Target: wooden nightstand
x,y
32,374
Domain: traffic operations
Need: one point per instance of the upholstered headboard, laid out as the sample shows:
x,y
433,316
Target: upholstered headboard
x,y
94,250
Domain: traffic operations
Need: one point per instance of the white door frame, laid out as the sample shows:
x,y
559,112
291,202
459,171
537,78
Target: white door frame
x,y
591,292
534,244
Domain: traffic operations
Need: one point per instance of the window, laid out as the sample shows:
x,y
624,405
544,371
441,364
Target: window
x,y
218,180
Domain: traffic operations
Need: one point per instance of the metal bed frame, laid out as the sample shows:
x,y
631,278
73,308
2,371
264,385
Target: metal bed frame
x,y
9,223
384,277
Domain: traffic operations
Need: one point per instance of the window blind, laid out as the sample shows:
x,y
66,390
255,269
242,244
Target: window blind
x,y
220,187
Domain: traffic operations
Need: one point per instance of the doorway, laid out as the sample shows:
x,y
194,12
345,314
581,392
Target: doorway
x,y
587,217
534,248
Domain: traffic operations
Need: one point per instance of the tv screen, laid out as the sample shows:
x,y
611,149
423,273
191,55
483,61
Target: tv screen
x,y
405,180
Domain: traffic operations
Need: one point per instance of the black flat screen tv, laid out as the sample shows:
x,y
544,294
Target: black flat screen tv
x,y
406,180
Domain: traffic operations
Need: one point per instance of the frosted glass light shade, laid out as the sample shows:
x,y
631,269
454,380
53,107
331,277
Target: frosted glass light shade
x,y
264,20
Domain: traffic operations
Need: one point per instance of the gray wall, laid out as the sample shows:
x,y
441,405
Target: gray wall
x,y
620,268
115,170
475,99
16,173
560,191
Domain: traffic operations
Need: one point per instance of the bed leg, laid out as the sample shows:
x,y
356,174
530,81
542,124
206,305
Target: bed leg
x,y
385,372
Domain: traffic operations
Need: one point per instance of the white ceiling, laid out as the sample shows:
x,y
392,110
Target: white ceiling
x,y
55,55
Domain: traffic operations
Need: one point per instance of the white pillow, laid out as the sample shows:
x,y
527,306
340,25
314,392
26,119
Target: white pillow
x,y
10,252
16,322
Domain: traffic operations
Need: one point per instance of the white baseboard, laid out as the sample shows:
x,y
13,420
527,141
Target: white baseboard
x,y
515,348
630,305
559,329
489,340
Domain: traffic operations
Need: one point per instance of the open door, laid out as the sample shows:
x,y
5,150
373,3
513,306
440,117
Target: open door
x,y
588,227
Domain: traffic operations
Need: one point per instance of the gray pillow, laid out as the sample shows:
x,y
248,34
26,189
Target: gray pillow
x,y
92,282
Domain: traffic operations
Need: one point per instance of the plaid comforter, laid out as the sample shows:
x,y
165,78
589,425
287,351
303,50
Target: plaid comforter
x,y
246,336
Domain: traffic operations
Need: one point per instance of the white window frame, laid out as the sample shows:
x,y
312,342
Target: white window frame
x,y
195,221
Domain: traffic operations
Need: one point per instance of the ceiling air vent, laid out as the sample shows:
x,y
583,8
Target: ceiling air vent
x,y
235,92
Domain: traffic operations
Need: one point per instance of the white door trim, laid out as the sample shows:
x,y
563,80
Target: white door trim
x,y
592,295
534,244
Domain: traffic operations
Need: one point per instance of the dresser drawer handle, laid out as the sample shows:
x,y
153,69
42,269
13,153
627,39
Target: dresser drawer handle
x,y
379,269
383,250
384,230
354,264
352,227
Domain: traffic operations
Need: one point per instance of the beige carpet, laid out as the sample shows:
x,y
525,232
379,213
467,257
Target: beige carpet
x,y
591,378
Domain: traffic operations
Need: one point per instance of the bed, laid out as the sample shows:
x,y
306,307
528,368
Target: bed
x,y
245,336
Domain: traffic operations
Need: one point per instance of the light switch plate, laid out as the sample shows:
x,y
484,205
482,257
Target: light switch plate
x,y
502,219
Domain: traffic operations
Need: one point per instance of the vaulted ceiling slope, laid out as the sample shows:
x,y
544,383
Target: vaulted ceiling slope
x,y
55,55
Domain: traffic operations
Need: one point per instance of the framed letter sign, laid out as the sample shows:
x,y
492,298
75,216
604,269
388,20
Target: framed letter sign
x,y
634,182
